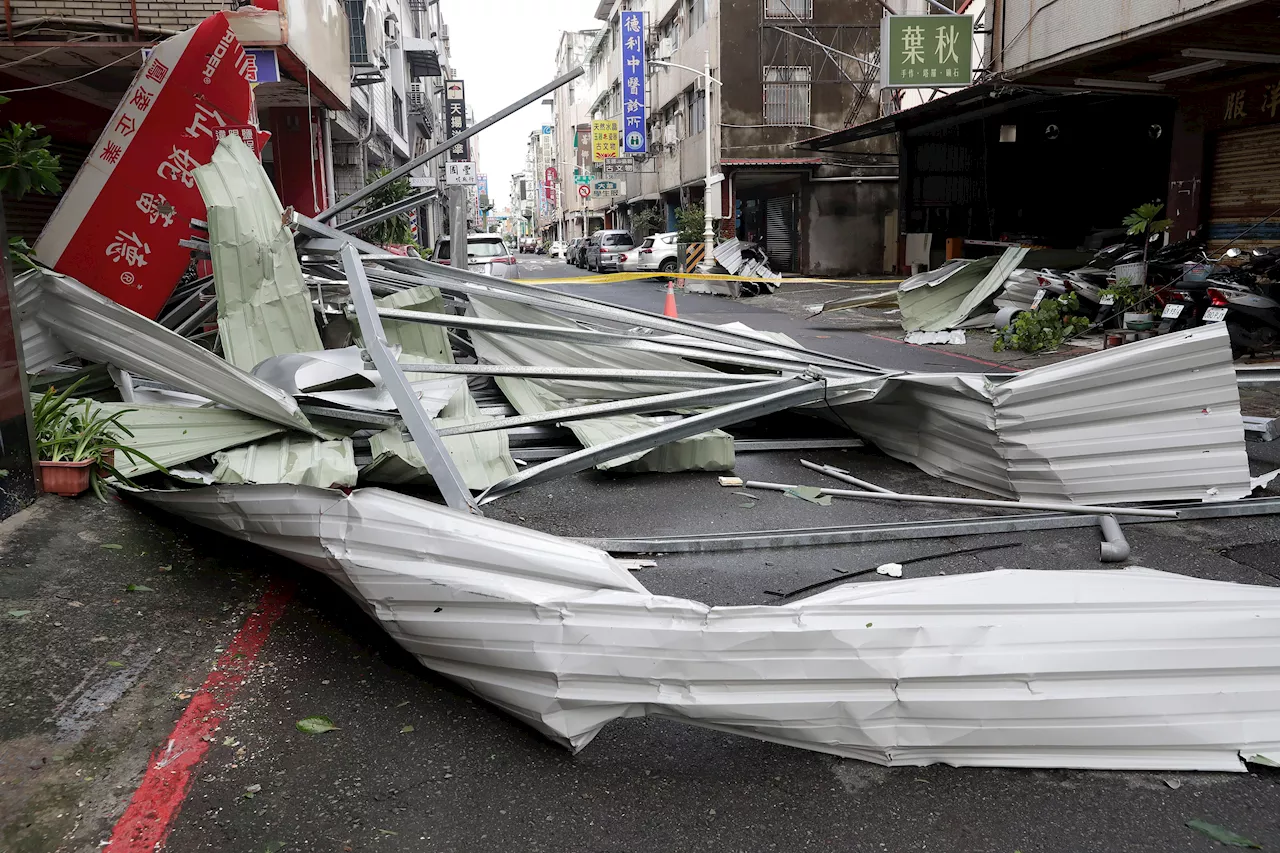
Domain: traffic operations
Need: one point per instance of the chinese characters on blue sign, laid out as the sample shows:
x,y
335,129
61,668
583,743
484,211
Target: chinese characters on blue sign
x,y
635,136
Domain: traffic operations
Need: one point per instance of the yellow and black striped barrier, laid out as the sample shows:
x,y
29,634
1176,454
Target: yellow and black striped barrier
x,y
693,255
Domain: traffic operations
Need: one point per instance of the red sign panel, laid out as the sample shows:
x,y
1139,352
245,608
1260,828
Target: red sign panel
x,y
118,226
253,138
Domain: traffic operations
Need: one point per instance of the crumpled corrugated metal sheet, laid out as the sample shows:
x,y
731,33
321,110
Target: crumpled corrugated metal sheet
x,y
711,451
40,349
263,305
1153,420
312,373
98,329
418,342
296,460
172,435
1130,669
948,301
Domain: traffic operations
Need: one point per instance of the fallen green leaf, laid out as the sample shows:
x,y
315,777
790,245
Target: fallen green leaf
x,y
868,624
748,504
113,546
402,704
165,569
404,730
137,587
315,725
250,791
115,664
387,832
18,614
273,847
1222,835
1261,759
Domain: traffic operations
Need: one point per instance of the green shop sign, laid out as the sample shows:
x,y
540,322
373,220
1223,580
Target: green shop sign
x,y
927,51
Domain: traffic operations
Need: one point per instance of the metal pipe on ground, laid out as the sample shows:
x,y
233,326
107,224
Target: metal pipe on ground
x,y
841,474
1083,509
857,534
1114,547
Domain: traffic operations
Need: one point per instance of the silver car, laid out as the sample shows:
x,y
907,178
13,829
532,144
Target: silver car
x,y
486,254
659,253
606,246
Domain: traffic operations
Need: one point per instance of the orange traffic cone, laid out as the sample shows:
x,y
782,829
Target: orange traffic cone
x,y
669,309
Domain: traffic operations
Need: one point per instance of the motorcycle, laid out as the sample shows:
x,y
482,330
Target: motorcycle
x,y
1244,300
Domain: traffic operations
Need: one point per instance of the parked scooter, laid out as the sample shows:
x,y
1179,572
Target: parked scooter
x,y
1243,299
1188,297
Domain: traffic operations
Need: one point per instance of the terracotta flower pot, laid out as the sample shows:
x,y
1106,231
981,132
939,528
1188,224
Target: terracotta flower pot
x,y
108,460
65,478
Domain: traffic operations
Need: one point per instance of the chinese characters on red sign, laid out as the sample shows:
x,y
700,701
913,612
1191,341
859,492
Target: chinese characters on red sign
x,y
118,227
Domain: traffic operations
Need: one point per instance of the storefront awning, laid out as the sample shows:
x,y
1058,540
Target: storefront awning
x,y
970,104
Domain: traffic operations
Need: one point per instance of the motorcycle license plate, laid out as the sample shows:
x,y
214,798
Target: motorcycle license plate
x,y
1035,303
1172,311
1215,315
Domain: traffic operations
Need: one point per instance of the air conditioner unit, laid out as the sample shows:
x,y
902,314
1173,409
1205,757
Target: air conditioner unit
x,y
391,26
418,97
664,50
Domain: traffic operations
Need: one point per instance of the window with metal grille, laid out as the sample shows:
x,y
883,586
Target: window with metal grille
x,y
397,111
355,23
785,8
786,95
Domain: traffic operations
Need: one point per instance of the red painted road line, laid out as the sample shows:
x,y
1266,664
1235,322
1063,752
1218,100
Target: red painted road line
x,y
952,354
150,815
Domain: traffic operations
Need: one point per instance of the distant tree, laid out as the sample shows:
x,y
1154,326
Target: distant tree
x,y
394,230
646,221
26,166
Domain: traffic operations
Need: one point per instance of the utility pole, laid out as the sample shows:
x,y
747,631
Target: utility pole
x,y
458,228
708,229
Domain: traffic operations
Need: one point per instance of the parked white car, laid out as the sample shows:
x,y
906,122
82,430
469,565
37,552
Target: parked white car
x,y
486,254
659,253
557,249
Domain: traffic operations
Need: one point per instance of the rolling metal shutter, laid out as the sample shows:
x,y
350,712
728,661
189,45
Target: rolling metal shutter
x,y
780,233
1244,188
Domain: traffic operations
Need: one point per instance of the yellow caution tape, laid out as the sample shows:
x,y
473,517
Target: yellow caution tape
x,y
611,278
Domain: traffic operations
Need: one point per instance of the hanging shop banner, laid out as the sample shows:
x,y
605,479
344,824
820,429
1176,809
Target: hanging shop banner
x,y
118,225
455,99
933,51
635,136
549,178
604,140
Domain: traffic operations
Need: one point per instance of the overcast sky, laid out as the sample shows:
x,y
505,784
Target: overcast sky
x,y
503,50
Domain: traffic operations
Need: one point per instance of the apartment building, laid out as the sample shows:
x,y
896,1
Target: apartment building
x,y
782,71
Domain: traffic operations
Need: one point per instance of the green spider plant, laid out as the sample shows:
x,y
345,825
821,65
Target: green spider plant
x,y
75,430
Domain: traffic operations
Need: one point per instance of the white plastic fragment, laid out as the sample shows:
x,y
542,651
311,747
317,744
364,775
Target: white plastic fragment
x,y
730,481
893,570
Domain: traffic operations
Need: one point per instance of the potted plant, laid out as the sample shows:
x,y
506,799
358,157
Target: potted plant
x,y
77,442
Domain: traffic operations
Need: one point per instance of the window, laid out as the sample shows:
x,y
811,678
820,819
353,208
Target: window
x,y
397,111
355,24
786,8
697,121
696,12
786,95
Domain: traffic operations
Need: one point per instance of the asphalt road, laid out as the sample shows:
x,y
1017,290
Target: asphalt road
x,y
97,675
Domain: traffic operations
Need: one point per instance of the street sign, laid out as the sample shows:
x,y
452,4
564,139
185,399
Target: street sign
x,y
584,190
421,181
455,99
582,179
633,74
605,189
926,51
459,174
604,140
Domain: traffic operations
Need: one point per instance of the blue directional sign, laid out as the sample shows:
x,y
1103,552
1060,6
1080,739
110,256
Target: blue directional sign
x,y
635,135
